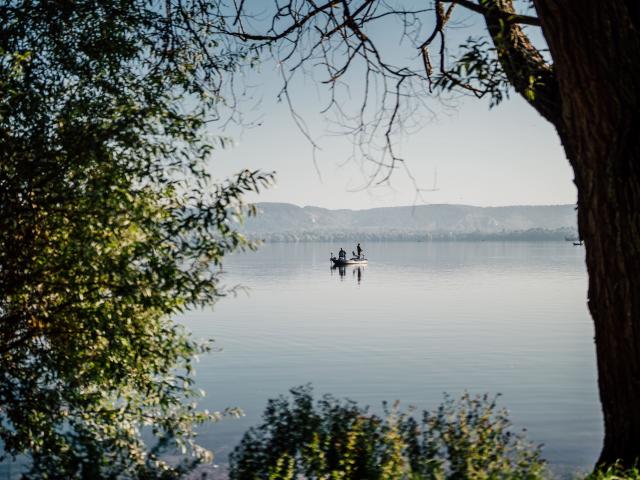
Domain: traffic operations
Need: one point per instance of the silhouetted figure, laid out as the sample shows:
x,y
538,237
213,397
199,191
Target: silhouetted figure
x,y
359,249
342,254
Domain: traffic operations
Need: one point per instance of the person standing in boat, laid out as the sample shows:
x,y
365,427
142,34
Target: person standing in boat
x,y
359,250
342,253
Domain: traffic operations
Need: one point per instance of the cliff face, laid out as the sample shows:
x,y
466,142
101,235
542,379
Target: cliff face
x,y
279,220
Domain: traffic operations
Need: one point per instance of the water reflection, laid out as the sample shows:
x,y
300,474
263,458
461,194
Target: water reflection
x,y
356,272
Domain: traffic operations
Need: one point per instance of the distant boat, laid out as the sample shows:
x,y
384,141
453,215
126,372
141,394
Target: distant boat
x,y
338,262
577,243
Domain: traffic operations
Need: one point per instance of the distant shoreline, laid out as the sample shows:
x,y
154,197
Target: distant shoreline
x,y
530,235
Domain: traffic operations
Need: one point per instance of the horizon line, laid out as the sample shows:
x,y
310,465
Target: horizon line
x,y
420,205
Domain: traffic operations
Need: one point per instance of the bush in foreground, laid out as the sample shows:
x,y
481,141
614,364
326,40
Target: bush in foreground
x,y
333,439
615,472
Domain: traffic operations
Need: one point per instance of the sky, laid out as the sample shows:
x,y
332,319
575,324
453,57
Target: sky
x,y
471,154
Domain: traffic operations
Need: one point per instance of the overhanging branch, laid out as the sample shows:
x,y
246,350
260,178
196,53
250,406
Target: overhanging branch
x,y
526,68
508,17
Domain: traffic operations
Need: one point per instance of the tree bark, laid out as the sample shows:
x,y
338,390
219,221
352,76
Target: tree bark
x,y
596,51
525,67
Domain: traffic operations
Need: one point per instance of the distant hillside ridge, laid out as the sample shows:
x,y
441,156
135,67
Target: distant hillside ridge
x,y
287,222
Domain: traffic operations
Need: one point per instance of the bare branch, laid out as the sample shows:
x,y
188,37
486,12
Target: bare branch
x,y
335,37
292,28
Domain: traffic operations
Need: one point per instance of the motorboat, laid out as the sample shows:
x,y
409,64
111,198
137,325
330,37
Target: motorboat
x,y
338,262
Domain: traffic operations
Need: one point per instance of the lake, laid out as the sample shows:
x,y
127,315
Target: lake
x,y
421,319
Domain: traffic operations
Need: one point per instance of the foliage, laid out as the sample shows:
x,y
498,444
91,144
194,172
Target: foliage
x,y
110,224
614,472
478,70
332,439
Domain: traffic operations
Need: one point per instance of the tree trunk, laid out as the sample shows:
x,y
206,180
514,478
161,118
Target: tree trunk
x,y
596,51
608,218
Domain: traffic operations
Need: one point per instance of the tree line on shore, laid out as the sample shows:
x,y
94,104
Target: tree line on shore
x,y
387,235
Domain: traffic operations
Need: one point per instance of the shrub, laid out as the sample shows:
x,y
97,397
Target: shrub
x,y
615,472
339,440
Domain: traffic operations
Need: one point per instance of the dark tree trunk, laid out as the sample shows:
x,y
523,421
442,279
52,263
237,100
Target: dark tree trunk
x,y
595,47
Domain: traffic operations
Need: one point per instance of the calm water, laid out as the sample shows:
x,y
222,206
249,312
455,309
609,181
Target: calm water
x,y
421,319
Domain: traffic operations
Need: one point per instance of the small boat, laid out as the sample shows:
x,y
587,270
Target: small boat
x,y
338,262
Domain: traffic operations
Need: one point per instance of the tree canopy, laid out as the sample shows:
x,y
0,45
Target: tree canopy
x,y
111,223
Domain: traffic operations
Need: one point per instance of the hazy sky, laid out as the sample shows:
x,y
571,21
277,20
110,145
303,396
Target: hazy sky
x,y
504,156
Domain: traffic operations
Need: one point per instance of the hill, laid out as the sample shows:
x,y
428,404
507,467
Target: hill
x,y
287,222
